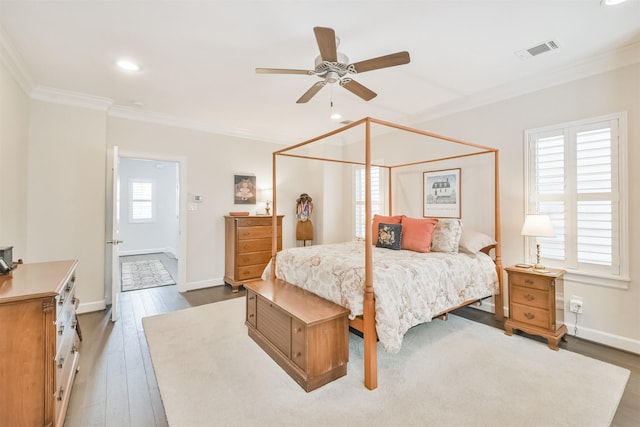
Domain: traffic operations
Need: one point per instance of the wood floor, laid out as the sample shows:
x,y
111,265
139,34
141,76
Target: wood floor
x,y
116,385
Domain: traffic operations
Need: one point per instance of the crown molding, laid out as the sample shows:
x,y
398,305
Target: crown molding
x,y
10,58
173,121
603,63
74,99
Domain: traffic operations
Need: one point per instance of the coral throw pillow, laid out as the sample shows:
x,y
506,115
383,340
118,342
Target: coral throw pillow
x,y
417,233
377,219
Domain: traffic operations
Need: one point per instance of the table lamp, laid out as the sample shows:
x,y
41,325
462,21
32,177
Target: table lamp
x,y
266,194
537,226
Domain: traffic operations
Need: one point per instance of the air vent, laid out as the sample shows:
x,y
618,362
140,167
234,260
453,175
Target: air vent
x,y
537,50
346,122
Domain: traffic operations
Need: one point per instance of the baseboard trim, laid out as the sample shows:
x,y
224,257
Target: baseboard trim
x,y
604,338
88,307
192,286
143,251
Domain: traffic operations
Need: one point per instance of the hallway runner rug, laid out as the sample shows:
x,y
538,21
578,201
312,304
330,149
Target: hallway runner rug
x,y
144,274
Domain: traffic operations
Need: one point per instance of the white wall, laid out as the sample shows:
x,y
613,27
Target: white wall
x,y
212,160
610,315
161,234
66,192
14,120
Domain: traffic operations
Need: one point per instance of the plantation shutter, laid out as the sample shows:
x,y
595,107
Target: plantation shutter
x,y
359,197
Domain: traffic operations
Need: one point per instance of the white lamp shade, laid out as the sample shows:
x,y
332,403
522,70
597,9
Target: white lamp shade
x,y
537,226
265,195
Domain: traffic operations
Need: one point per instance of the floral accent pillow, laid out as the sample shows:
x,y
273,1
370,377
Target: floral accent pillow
x,y
389,236
446,236
377,219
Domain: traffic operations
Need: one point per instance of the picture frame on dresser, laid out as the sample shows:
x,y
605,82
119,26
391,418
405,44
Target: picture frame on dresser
x,y
441,194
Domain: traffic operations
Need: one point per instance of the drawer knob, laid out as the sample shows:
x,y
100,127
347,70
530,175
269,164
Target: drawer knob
x,y
251,315
528,281
299,354
251,298
529,297
529,316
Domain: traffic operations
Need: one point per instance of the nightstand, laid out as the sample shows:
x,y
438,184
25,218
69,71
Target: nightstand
x,y
532,303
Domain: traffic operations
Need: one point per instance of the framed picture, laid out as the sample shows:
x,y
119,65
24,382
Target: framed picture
x,y
244,189
441,194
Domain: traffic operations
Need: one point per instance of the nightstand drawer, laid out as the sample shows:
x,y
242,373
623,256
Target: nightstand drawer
x,y
530,315
529,281
530,297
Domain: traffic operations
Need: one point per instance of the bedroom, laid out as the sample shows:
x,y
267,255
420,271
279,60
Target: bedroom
x,y
44,130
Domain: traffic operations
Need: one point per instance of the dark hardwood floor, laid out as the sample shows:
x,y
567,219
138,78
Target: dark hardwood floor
x,y
116,385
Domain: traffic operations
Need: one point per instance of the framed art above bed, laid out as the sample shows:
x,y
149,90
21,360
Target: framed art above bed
x,y
441,194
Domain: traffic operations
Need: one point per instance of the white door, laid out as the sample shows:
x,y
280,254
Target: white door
x,y
114,242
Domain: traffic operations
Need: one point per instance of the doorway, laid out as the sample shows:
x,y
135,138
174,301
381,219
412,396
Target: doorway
x,y
148,222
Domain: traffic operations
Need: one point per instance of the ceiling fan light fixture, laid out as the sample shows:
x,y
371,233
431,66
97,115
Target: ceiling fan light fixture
x,y
334,114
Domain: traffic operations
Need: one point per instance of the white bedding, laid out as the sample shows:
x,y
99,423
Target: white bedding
x,y
409,287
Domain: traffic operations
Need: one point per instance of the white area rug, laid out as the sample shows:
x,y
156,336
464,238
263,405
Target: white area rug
x,y
457,373
144,274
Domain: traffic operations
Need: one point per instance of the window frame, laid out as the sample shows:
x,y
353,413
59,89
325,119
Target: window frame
x,y
132,201
584,272
380,204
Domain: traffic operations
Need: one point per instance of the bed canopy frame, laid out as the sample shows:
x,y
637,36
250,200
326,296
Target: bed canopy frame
x,y
366,323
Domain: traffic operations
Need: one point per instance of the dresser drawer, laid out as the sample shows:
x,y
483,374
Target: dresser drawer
x,y
530,296
255,221
531,315
252,258
298,343
248,272
529,281
255,245
275,325
259,232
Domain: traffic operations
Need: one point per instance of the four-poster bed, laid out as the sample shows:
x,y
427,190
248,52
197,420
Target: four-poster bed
x,y
366,322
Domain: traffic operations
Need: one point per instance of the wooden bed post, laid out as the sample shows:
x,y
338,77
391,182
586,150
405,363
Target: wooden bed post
x,y
370,335
498,300
274,218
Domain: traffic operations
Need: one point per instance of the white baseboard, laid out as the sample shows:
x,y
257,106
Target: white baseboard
x,y
145,251
191,286
605,338
88,307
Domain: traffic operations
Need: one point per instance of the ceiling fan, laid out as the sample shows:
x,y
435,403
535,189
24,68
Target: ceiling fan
x,y
334,67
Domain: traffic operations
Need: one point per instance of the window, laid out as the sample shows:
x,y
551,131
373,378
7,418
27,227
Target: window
x,y
377,197
141,201
576,174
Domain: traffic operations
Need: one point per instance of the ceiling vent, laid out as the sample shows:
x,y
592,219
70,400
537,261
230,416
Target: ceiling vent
x,y
537,50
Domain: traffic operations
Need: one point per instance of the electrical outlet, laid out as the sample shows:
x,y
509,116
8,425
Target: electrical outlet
x,y
575,305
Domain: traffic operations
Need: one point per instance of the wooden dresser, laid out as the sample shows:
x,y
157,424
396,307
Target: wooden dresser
x,y
533,306
305,334
39,344
247,247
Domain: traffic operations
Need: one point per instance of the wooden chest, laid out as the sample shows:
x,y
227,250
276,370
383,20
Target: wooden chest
x,y
306,335
533,306
248,244
39,347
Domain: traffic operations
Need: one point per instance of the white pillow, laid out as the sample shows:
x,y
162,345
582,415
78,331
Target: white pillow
x,y
472,241
446,236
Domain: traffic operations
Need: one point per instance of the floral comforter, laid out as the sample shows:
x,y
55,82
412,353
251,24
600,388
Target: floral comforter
x,y
410,287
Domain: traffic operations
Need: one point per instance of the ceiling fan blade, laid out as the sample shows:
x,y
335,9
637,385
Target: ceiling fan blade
x,y
282,71
326,39
398,58
311,92
358,89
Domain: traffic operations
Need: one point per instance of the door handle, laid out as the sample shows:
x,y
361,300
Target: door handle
x,y
115,242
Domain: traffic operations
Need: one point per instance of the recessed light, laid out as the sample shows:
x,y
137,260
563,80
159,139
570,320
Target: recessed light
x,y
612,2
128,65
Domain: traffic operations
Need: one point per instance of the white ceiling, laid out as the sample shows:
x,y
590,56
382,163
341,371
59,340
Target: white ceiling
x,y
198,58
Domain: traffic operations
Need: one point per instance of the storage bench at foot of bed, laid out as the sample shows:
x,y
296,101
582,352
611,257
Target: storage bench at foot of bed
x,y
305,334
